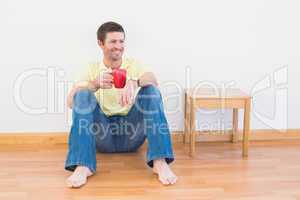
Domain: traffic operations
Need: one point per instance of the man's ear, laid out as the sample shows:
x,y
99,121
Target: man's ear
x,y
100,44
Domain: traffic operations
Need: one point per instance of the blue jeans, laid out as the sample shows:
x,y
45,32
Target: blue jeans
x,y
93,131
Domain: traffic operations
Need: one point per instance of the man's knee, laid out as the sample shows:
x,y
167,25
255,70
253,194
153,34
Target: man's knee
x,y
82,95
84,100
149,100
150,90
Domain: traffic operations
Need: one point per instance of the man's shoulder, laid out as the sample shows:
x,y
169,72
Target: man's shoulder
x,y
128,62
133,62
93,66
125,60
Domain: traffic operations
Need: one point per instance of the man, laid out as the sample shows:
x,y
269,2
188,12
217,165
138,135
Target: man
x,y
100,111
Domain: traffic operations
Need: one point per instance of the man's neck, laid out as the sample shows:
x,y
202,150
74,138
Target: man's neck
x,y
111,63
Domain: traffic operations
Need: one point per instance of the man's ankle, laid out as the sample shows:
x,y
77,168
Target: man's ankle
x,y
159,162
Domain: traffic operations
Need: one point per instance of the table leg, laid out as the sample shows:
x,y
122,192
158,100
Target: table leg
x,y
246,127
235,136
186,118
192,128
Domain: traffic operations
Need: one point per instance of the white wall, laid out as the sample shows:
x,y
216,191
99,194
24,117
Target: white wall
x,y
250,43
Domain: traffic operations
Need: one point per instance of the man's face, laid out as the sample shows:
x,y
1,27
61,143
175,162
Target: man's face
x,y
113,45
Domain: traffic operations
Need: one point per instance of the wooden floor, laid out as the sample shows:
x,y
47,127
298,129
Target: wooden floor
x,y
218,171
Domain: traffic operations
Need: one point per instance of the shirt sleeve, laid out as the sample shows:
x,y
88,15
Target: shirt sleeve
x,y
82,76
137,69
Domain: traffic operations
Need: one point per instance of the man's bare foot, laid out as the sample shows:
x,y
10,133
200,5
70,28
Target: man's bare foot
x,y
79,177
165,174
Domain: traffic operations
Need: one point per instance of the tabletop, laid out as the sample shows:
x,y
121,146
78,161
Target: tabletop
x,y
219,93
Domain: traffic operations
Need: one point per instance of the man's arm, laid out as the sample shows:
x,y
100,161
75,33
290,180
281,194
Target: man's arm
x,y
148,78
127,94
90,85
104,81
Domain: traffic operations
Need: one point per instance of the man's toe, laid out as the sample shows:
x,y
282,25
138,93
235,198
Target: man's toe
x,y
69,183
173,180
164,181
77,183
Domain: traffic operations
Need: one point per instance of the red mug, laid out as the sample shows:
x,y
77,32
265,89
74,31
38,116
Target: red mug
x,y
119,76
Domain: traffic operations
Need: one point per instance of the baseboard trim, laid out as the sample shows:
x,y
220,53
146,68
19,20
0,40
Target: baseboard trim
x,y
51,138
42,138
255,135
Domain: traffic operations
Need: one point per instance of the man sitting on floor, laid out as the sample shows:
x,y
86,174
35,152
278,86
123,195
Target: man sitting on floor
x,y
99,110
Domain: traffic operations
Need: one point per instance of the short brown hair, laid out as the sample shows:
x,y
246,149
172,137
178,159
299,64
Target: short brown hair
x,y
108,27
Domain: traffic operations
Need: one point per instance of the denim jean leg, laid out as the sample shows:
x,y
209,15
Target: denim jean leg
x,y
105,139
134,134
149,103
82,150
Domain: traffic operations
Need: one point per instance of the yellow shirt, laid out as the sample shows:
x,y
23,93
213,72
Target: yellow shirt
x,y
108,99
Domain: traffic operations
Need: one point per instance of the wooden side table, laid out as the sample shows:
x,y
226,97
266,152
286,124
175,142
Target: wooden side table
x,y
211,98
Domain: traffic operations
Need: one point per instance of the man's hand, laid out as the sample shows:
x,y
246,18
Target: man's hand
x,y
148,78
104,80
126,96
